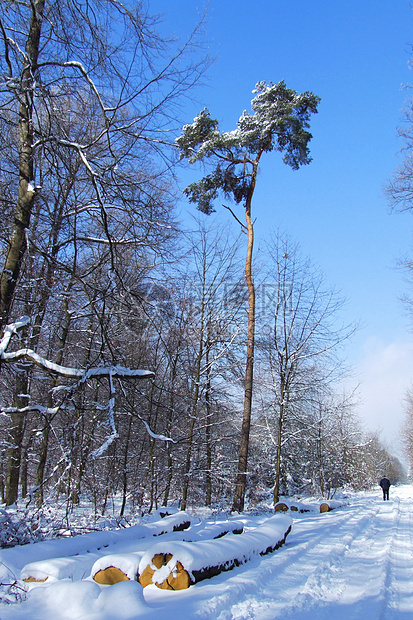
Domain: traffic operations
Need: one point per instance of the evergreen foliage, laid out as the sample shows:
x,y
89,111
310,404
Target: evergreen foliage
x,y
279,121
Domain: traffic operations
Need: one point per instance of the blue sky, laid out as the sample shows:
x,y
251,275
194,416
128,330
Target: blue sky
x,y
354,55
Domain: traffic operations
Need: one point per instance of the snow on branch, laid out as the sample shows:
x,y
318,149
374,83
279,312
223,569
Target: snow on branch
x,y
155,435
9,330
82,375
73,373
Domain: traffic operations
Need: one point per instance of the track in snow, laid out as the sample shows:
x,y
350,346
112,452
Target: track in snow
x,y
355,562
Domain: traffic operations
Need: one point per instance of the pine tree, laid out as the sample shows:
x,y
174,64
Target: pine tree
x,y
279,122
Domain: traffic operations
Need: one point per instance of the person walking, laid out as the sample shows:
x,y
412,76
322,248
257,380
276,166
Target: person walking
x,y
385,485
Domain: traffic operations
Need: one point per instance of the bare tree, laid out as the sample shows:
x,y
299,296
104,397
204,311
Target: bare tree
x,y
84,111
301,345
123,73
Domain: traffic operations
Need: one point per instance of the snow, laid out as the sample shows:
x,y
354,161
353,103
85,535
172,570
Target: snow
x,y
206,553
11,329
353,562
64,371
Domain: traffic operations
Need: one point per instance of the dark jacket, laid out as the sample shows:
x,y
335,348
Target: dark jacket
x,y
385,484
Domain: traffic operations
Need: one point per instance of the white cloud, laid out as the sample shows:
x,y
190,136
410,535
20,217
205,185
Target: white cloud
x,y
385,371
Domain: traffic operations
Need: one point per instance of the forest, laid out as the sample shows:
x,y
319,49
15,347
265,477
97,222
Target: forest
x,y
145,358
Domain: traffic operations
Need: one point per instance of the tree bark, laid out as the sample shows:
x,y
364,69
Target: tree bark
x,y
278,455
125,468
208,476
241,481
187,469
16,432
26,192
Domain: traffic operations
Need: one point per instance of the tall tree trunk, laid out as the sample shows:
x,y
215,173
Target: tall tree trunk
x,y
23,470
194,410
276,494
169,474
241,481
125,468
208,476
281,411
15,433
2,477
169,471
26,193
320,459
44,446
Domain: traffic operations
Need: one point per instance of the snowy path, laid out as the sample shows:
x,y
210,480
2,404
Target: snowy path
x,y
355,562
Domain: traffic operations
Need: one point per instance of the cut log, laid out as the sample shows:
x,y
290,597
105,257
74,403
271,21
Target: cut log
x,y
111,569
214,530
110,576
158,560
177,579
324,507
300,507
34,580
77,555
224,533
177,565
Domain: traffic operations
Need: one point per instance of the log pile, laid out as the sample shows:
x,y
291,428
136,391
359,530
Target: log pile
x,y
173,564
177,565
75,566
301,507
296,507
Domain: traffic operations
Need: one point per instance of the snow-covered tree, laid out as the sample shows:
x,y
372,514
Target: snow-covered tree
x,y
279,121
86,206
300,342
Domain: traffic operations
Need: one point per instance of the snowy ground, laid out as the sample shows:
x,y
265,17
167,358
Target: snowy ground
x,y
354,562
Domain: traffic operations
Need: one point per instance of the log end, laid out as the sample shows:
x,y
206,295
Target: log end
x,y
109,576
178,578
324,507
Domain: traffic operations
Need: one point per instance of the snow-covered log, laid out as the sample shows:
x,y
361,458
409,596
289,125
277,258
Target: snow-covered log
x,y
177,565
81,549
312,505
214,530
331,504
114,568
294,507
